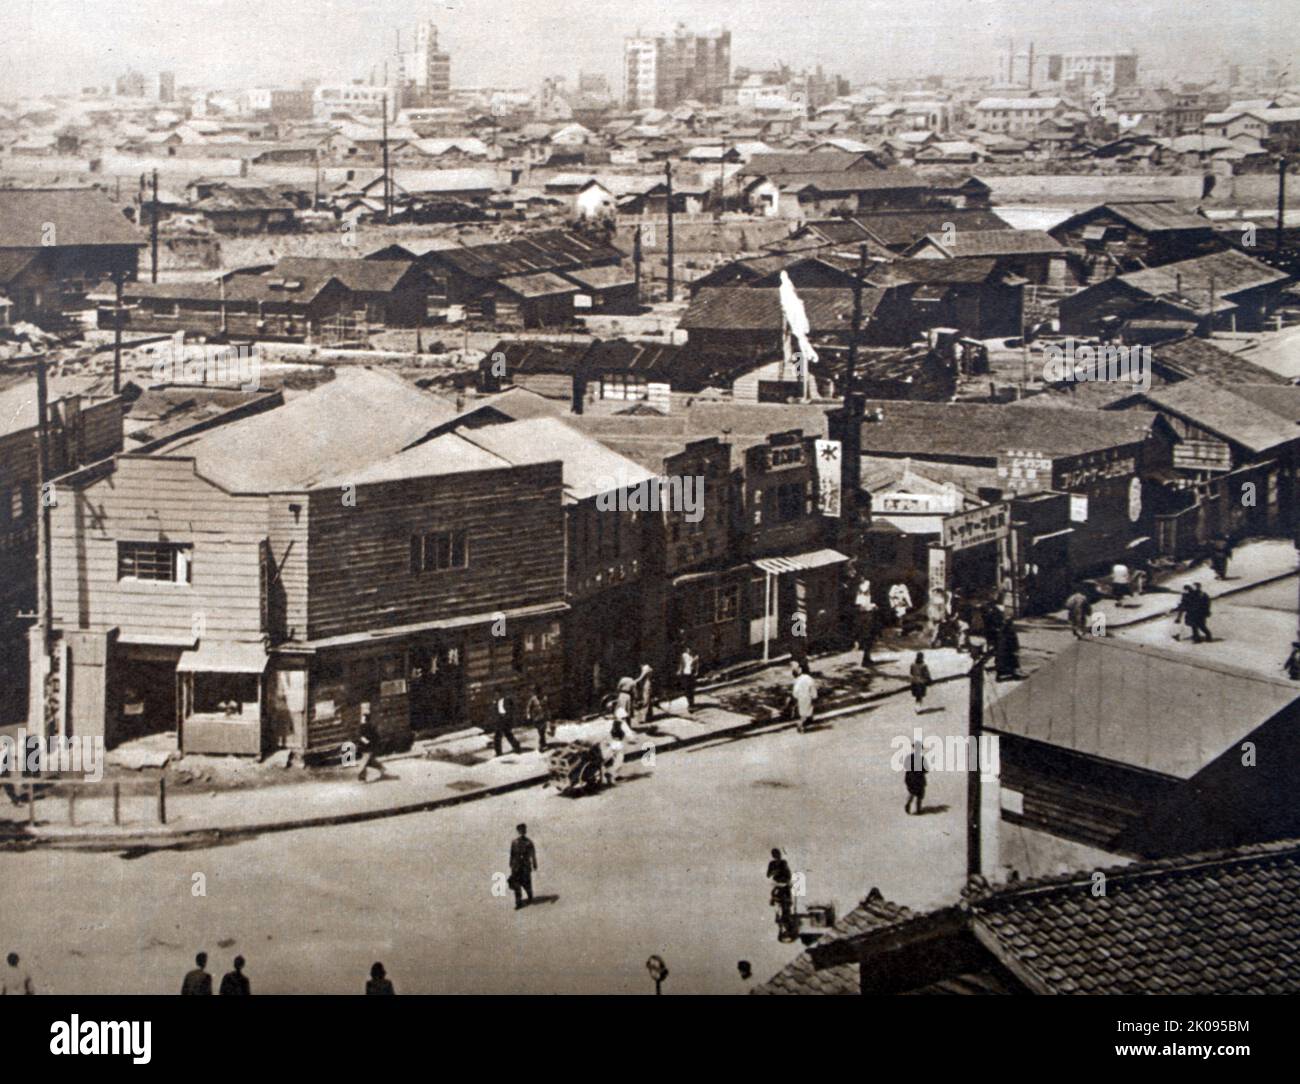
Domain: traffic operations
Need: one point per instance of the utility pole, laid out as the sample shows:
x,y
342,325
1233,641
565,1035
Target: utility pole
x,y
850,466
153,232
388,202
45,608
975,730
117,332
636,259
1281,202
668,173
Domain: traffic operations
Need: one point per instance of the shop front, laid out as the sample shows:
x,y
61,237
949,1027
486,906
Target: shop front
x,y
220,694
794,602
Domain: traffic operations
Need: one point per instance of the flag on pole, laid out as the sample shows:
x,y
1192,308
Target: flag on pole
x,y
796,319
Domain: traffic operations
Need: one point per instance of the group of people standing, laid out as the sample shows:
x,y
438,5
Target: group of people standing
x,y
198,983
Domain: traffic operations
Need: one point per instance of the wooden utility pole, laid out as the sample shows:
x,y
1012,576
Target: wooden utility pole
x,y
44,581
117,332
668,174
388,200
636,259
1281,201
850,454
975,729
153,234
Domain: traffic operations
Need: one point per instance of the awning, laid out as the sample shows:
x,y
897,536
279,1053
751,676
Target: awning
x,y
219,658
799,562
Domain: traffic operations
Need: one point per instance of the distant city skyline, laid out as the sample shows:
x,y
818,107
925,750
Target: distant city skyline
x,y
58,46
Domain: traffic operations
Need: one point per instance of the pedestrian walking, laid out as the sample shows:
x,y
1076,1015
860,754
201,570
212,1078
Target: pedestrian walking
x,y
503,723
368,741
920,678
914,779
16,978
1220,551
1199,614
1292,664
235,983
538,714
379,983
1182,612
523,863
1007,653
197,983
688,673
643,697
804,693
1079,607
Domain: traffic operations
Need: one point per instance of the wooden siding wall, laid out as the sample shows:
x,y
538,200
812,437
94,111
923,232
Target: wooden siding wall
x,y
147,499
360,557
287,581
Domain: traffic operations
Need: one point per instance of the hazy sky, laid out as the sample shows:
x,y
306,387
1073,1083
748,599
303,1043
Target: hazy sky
x,y
53,45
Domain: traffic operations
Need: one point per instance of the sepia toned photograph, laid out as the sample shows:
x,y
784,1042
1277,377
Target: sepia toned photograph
x,y
697,499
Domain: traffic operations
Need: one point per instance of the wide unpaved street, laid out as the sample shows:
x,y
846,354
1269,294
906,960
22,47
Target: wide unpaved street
x,y
671,862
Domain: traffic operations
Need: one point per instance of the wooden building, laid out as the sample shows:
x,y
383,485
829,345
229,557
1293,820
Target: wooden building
x,y
1223,290
57,244
83,427
300,299
1139,750
272,582
1115,238
518,283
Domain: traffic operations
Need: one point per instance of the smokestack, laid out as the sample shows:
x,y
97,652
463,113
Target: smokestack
x,y
1029,73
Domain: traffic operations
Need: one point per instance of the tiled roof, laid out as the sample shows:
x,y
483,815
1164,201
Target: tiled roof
x,y
1149,217
360,276
981,431
1193,356
899,229
550,250
1216,408
1228,272
80,216
853,180
972,269
759,309
1220,923
801,977
968,242
771,165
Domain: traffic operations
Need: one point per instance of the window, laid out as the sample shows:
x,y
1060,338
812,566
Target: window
x,y
439,551
623,386
229,695
726,603
164,562
784,503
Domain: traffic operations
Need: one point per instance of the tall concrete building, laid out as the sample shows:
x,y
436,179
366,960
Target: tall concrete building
x,y
424,71
1094,71
661,70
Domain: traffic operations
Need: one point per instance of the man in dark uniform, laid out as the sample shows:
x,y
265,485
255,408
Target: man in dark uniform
x,y
523,861
197,982
503,721
236,982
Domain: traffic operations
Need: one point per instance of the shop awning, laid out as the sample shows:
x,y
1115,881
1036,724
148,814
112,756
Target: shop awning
x,y
219,658
799,562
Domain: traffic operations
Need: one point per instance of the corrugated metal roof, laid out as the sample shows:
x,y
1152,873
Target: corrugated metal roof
x,y
799,562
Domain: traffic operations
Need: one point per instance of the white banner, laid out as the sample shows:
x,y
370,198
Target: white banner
x,y
829,455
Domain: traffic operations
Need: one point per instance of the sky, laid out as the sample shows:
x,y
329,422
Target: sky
x,y
52,46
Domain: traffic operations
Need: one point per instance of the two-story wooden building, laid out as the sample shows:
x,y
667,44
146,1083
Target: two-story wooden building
x,y
272,582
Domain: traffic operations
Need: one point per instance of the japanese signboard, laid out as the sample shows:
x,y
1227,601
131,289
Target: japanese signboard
x,y
988,523
828,477
1022,471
